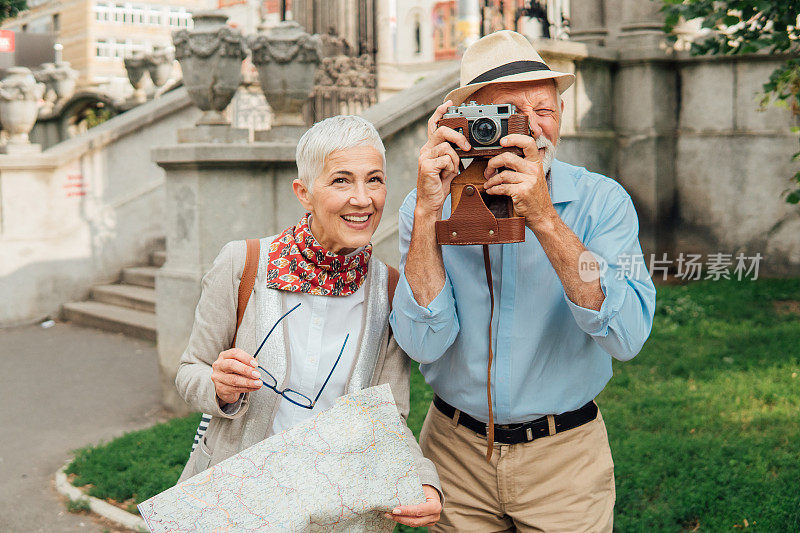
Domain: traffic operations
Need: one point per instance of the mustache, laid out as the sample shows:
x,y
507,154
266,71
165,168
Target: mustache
x,y
549,151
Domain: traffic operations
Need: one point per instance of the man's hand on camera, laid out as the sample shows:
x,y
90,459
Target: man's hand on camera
x,y
424,514
522,179
438,163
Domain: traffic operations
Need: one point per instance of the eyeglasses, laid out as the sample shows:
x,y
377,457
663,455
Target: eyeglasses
x,y
299,399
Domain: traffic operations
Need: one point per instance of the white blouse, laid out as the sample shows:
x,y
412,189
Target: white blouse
x,y
316,332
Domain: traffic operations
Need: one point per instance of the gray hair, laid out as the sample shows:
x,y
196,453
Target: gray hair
x,y
326,136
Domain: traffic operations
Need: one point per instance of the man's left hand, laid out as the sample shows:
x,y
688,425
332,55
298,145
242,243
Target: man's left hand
x,y
424,514
522,179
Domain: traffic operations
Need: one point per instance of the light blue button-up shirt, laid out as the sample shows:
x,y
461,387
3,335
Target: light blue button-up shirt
x,y
550,355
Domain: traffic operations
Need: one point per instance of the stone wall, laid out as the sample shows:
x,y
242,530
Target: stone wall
x,y
74,215
733,162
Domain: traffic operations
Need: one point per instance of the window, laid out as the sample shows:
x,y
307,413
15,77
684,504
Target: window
x,y
102,12
179,17
111,49
142,14
417,36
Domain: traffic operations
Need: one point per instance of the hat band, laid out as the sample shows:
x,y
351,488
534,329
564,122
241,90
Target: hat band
x,y
515,67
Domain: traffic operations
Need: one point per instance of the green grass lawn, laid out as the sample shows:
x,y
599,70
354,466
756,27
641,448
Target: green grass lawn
x,y
704,423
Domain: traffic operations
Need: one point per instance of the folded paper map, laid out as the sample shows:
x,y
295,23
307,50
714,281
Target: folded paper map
x,y
338,471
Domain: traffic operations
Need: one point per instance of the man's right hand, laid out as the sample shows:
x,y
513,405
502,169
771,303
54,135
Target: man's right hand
x,y
438,163
233,373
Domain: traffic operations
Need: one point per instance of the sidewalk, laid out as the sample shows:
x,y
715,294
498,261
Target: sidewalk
x,y
63,388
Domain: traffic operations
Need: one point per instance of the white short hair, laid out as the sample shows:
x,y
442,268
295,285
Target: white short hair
x,y
326,136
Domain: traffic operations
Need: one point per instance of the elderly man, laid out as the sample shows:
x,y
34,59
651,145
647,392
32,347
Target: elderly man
x,y
563,305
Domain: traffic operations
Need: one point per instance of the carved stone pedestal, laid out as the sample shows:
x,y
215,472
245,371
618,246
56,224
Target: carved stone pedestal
x,y
20,148
280,133
213,133
217,193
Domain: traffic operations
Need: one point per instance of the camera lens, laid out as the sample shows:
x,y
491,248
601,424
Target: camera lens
x,y
484,131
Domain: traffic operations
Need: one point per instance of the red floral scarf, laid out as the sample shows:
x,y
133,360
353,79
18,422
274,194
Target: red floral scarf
x,y
298,263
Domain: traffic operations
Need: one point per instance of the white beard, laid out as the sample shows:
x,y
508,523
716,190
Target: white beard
x,y
549,152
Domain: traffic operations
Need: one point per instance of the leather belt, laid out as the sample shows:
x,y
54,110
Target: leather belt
x,y
526,431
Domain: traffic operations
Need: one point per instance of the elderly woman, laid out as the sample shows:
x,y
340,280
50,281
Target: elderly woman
x,y
318,279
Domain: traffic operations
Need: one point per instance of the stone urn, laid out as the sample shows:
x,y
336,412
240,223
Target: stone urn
x,y
19,104
286,58
136,66
44,75
62,79
59,82
211,57
159,65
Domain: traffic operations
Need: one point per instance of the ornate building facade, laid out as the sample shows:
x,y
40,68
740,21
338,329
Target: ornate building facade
x,y
97,35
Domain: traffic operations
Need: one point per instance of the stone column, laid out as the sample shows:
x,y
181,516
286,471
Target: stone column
x,y
216,193
642,23
468,25
587,21
646,118
645,91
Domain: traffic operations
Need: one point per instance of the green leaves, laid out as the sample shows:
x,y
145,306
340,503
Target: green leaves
x,y
745,26
10,8
731,20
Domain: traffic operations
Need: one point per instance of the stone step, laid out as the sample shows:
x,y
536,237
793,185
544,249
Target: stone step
x,y
144,276
158,258
111,318
129,296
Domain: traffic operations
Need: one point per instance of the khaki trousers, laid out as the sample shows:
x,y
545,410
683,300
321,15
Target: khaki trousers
x,y
560,483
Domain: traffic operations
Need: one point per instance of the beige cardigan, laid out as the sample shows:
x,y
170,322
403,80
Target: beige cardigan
x,y
378,358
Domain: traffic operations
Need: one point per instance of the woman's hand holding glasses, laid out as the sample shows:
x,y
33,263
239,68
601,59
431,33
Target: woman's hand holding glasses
x,y
233,373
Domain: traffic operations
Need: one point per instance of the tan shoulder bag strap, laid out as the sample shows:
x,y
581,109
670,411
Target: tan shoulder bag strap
x,y
247,283
394,277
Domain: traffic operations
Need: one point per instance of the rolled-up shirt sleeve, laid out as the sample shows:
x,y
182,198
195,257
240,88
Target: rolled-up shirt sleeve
x,y
424,332
625,318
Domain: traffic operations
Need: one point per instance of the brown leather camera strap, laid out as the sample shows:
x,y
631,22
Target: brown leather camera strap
x,y
247,283
471,222
487,265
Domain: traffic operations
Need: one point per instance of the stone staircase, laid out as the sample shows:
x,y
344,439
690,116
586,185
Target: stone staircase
x,y
128,306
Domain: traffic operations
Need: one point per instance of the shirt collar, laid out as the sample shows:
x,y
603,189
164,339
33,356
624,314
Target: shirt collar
x,y
562,184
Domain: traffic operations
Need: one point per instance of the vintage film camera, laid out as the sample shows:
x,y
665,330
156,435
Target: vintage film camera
x,y
477,217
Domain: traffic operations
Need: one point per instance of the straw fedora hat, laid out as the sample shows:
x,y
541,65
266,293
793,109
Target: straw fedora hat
x,y
501,57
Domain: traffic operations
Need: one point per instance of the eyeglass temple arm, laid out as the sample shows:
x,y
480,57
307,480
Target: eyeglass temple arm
x,y
273,328
332,369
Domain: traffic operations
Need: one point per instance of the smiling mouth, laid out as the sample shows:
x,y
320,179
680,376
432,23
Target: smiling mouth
x,y
356,219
